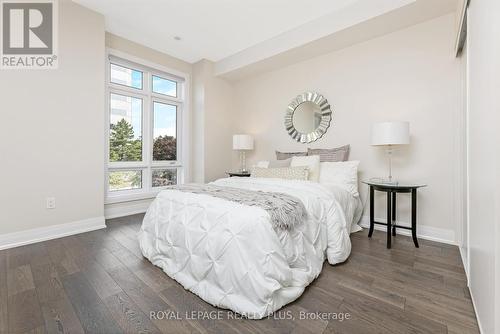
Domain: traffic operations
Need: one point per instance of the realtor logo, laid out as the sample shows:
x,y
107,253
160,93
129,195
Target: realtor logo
x,y
29,39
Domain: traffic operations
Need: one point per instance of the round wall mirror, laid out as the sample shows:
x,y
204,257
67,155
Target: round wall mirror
x,y
308,117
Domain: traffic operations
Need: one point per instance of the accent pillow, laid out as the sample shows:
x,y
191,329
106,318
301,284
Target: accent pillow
x,y
332,154
288,173
262,164
343,174
280,163
311,162
288,155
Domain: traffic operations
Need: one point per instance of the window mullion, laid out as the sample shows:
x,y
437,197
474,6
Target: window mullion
x,y
148,137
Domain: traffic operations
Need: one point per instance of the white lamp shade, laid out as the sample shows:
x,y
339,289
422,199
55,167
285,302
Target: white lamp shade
x,y
391,133
242,142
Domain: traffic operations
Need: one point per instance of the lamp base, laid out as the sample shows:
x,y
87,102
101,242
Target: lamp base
x,y
243,166
388,181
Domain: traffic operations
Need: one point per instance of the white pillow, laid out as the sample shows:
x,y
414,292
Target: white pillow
x,y
343,174
311,162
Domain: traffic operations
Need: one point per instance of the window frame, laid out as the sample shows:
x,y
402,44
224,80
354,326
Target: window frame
x,y
147,165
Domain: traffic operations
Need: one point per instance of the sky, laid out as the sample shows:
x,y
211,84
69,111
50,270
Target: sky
x,y
165,118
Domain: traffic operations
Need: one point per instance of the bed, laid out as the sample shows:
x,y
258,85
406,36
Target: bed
x,y
232,257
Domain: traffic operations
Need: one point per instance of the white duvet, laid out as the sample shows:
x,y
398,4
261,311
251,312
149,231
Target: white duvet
x,y
230,255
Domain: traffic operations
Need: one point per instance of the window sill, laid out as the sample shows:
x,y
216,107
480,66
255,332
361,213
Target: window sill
x,y
130,197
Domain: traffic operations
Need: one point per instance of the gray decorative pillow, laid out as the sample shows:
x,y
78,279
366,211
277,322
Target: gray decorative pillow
x,y
280,163
288,155
331,155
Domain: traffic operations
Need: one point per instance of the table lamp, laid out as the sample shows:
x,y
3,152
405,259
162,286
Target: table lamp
x,y
242,143
390,134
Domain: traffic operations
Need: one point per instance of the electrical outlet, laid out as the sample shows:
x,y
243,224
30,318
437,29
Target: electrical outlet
x,y
50,202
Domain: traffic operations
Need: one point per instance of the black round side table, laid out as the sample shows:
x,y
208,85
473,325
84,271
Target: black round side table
x,y
392,190
238,174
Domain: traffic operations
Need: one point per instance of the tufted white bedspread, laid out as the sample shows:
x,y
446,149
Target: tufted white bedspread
x,y
230,255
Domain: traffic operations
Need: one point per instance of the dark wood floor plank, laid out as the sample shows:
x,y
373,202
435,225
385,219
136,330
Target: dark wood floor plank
x,y
18,256
4,312
130,259
58,312
154,277
445,313
93,314
101,281
103,284
384,315
318,300
385,296
308,325
128,315
47,282
39,254
126,241
440,270
24,312
78,251
19,279
93,241
409,291
454,328
402,276
38,330
60,317
106,259
354,324
64,263
148,301
186,302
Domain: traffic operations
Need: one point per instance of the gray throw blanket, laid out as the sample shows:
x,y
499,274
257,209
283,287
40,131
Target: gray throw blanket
x,y
286,211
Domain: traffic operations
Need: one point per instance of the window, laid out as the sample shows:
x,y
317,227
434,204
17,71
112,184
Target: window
x,y
144,118
164,86
164,177
125,128
125,76
164,132
125,180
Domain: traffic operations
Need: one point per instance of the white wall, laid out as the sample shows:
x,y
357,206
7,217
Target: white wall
x,y
461,204
212,123
484,140
52,138
408,75
140,51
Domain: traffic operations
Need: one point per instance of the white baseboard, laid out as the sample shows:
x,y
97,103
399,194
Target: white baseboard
x,y
125,209
475,312
464,263
16,239
424,232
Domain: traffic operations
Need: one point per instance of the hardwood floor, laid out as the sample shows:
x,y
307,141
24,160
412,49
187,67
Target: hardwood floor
x,y
98,282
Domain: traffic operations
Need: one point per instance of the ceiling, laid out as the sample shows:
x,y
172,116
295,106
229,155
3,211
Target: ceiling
x,y
235,33
210,29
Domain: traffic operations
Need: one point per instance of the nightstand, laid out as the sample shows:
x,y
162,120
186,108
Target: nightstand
x,y
392,190
238,174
